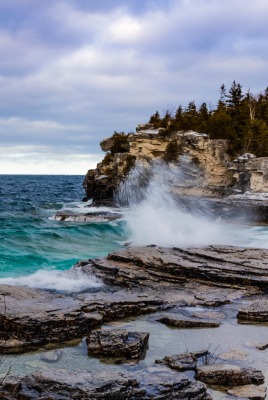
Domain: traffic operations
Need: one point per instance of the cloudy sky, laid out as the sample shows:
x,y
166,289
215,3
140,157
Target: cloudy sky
x,y
74,71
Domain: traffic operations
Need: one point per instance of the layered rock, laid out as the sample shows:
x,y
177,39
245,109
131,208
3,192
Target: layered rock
x,y
156,266
228,375
64,385
209,155
255,312
117,343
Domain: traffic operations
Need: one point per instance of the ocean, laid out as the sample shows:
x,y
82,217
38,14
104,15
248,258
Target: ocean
x,y
38,251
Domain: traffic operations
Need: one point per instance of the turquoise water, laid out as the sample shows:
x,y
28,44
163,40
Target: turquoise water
x,y
32,244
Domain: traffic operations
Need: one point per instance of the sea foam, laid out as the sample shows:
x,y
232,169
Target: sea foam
x,y
71,280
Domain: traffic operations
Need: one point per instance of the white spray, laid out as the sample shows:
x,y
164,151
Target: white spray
x,y
158,216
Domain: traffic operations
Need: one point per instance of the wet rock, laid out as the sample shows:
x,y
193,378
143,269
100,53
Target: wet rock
x,y
184,322
249,392
64,385
235,354
228,375
181,362
256,311
262,346
117,343
31,318
100,216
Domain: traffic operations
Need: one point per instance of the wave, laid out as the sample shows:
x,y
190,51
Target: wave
x,y
70,281
159,215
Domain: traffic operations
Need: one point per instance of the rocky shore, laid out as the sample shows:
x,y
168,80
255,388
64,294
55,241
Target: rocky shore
x,y
167,287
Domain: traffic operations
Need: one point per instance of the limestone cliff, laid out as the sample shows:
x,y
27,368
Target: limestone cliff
x,y
218,175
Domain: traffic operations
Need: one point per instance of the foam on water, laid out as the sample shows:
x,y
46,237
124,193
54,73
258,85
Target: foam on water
x,y
68,281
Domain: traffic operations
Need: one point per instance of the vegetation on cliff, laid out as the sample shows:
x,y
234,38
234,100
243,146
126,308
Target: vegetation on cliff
x,y
241,118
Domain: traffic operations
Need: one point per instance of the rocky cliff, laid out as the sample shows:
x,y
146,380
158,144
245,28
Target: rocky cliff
x,y
218,175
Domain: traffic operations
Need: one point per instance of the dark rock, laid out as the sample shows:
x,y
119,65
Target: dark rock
x,y
117,343
100,216
182,362
228,375
256,311
61,384
183,322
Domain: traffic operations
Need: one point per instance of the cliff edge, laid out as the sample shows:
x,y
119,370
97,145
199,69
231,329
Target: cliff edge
x,y
218,175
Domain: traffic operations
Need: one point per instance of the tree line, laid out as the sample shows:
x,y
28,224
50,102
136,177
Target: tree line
x,y
241,118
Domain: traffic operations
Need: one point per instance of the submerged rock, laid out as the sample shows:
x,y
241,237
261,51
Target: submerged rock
x,y
64,385
117,343
228,375
248,392
256,311
234,354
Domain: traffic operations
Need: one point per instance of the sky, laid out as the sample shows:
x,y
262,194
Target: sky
x,y
74,71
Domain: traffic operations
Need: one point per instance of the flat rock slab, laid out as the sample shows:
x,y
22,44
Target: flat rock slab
x,y
256,311
154,266
234,354
248,392
186,323
228,375
117,343
100,216
64,385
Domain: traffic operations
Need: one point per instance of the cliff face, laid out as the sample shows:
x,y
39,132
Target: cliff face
x,y
209,155
218,175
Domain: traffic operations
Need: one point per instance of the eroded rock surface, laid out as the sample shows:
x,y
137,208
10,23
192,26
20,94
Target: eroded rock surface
x,y
153,266
64,385
228,375
182,362
117,343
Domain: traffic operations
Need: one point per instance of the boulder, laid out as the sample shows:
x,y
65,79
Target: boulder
x,y
228,375
117,343
182,362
